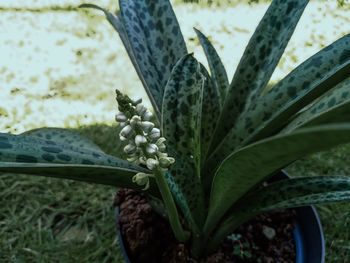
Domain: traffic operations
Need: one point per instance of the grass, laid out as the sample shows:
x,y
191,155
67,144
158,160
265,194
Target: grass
x,y
51,220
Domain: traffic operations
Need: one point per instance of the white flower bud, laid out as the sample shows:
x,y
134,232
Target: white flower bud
x,y
164,162
162,155
129,149
120,117
122,138
123,124
147,115
147,126
151,148
135,102
140,109
152,163
126,131
141,179
135,121
140,140
154,134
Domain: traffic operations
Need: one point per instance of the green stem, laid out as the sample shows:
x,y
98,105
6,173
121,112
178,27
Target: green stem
x,y
174,219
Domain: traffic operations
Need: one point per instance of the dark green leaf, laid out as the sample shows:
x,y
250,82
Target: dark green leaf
x,y
332,107
181,125
217,69
117,22
64,136
33,155
259,60
211,109
280,195
307,82
248,166
156,40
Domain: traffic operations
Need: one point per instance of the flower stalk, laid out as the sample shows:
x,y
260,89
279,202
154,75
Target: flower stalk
x,y
146,147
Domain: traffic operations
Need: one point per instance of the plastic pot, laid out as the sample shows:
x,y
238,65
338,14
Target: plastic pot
x,y
308,234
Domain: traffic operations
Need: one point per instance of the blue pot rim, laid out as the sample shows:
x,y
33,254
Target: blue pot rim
x,y
308,233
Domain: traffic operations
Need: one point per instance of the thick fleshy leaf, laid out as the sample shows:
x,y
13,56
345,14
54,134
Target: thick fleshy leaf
x,y
181,125
156,40
217,69
63,136
332,107
33,155
211,109
307,82
116,21
248,166
187,190
99,174
280,195
182,107
259,60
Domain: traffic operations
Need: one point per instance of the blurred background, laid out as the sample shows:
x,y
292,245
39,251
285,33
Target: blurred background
x,y
59,67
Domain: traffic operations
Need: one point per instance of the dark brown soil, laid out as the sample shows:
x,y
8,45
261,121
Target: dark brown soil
x,y
149,239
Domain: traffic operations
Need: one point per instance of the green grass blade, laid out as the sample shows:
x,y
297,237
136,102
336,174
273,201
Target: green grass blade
x,y
211,109
217,69
280,195
246,167
64,136
331,108
156,40
181,126
259,60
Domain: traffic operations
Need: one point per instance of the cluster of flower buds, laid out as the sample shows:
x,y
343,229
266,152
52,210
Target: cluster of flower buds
x,y
145,144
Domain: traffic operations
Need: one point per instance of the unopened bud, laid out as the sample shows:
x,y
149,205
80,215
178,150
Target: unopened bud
x,y
152,163
135,102
140,109
151,148
141,179
120,117
126,131
140,140
147,116
164,162
154,134
147,126
129,149
135,121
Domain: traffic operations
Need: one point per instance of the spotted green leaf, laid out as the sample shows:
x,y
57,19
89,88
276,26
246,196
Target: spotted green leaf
x,y
116,21
181,125
34,155
307,82
182,107
248,166
156,41
217,69
259,60
211,108
283,194
63,136
332,107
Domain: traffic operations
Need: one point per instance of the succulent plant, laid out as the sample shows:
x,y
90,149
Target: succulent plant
x,y
226,137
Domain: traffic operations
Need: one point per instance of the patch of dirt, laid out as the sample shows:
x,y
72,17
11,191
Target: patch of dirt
x,y
148,238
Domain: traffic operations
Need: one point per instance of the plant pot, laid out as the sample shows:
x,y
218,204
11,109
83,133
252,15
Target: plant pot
x,y
308,234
